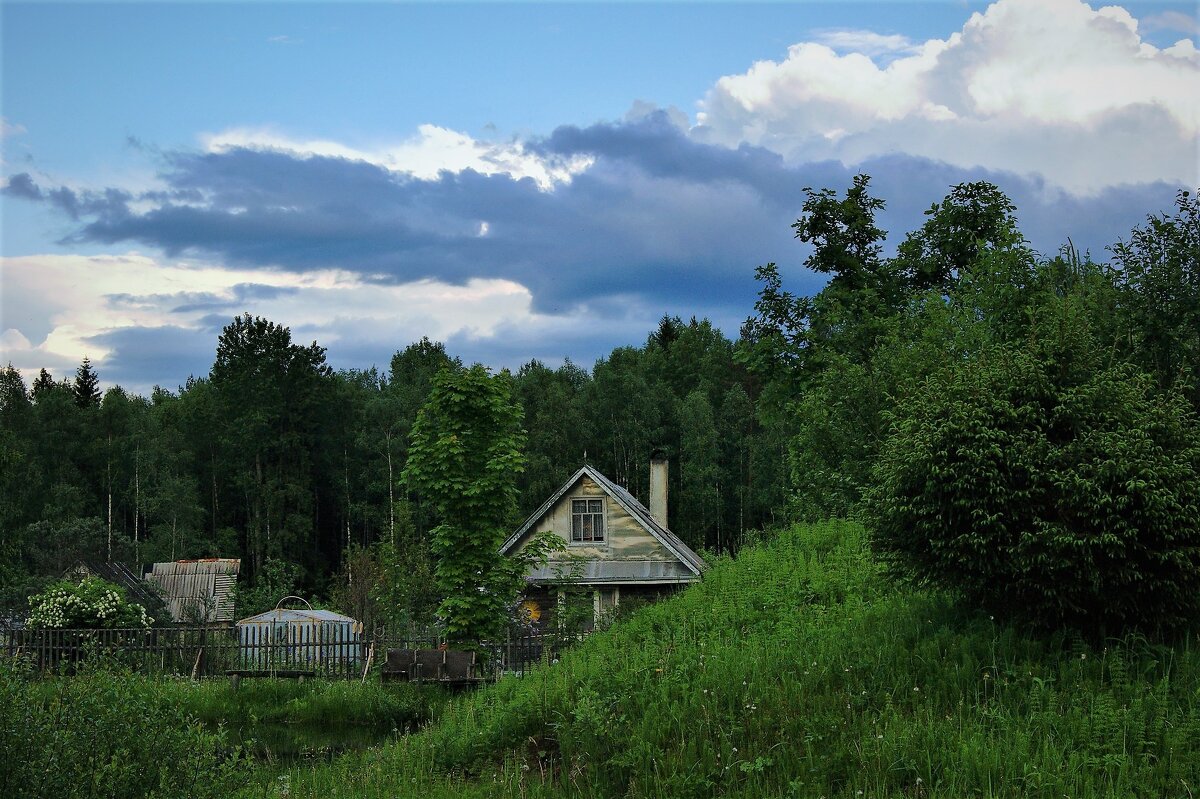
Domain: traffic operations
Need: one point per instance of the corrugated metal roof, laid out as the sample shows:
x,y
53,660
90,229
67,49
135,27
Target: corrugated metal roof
x,y
296,615
674,544
203,587
618,571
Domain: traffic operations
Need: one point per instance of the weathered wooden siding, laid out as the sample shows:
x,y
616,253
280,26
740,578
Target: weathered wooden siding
x,y
626,539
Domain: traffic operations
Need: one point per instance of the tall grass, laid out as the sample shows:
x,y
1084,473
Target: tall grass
x,y
107,732
104,735
797,671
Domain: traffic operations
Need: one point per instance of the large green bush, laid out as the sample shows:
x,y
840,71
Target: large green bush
x,y
89,604
1056,495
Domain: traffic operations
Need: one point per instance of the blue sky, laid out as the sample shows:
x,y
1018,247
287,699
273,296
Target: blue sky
x,y
530,180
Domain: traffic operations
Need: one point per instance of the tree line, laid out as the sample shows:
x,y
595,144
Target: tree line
x,y
296,468
1003,419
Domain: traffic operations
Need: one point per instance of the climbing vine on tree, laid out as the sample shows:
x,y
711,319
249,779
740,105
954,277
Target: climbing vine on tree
x,y
465,457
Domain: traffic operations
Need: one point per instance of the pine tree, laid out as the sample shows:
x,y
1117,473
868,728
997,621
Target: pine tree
x,y
87,386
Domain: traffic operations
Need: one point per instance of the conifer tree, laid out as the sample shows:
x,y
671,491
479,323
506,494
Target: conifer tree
x,y
87,386
41,385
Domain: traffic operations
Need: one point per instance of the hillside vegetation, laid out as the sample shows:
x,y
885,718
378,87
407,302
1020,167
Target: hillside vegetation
x,y
797,670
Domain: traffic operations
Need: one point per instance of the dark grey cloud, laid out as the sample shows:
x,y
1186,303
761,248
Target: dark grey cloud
x,y
22,186
143,356
659,216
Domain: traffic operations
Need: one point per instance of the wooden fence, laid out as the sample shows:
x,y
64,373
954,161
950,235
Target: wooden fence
x,y
220,650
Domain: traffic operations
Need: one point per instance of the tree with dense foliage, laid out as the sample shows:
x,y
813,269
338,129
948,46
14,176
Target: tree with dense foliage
x,y
1158,272
1071,500
273,398
465,455
972,218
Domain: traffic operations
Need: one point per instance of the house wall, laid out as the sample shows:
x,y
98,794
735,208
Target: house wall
x,y
626,539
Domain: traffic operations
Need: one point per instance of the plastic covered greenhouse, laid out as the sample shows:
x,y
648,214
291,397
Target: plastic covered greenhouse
x,y
299,637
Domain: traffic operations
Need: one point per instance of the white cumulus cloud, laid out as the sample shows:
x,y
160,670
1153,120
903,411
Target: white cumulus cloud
x,y
1047,87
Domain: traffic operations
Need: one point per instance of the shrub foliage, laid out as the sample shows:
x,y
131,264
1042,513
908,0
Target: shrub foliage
x,y
90,604
1059,499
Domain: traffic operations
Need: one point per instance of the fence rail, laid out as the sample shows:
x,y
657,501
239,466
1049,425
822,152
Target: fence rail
x,y
219,650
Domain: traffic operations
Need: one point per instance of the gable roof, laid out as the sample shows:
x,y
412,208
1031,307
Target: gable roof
x,y
622,497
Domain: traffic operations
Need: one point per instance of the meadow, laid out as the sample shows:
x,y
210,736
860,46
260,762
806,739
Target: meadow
x,y
795,670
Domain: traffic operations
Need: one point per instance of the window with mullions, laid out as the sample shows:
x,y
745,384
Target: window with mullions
x,y
587,520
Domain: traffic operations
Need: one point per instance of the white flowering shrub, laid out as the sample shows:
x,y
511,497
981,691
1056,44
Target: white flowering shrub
x,y
90,604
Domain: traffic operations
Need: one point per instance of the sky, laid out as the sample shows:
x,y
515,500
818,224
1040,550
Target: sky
x,y
531,180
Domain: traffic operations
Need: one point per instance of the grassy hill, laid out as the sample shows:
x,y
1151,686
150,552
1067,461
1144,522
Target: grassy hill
x,y
796,670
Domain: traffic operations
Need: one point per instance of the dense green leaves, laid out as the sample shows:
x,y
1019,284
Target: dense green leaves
x,y
466,453
1053,501
91,603
1159,278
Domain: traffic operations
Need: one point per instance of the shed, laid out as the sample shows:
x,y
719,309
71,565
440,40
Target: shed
x,y
299,636
197,590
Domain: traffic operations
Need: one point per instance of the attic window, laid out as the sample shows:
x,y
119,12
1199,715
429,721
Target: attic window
x,y
587,520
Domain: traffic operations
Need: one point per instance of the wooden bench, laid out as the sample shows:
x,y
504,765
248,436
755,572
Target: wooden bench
x,y
236,675
444,666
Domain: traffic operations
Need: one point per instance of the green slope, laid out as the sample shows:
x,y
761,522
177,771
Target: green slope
x,y
796,670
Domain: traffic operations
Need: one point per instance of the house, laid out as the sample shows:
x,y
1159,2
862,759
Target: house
x,y
614,546
197,590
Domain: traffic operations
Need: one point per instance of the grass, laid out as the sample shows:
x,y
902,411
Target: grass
x,y
797,671
107,732
268,701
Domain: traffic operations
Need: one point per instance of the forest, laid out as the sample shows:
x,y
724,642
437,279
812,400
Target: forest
x,y
823,407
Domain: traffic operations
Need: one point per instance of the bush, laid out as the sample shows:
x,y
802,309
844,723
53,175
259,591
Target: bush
x,y
90,604
1058,500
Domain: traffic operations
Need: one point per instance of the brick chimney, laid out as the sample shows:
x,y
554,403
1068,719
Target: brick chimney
x,y
658,488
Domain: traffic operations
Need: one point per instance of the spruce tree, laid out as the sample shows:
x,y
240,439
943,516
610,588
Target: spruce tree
x,y
87,386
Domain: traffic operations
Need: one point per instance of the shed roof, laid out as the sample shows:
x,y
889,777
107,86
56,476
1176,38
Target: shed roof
x,y
115,572
196,584
296,615
692,562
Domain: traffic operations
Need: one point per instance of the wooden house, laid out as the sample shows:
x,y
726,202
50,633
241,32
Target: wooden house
x,y
614,546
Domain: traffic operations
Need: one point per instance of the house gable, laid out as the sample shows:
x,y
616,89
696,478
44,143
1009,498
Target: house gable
x,y
636,549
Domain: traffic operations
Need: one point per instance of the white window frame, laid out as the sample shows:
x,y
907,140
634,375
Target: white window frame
x,y
602,514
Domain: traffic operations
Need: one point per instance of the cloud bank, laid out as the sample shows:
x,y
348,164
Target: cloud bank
x,y
570,243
